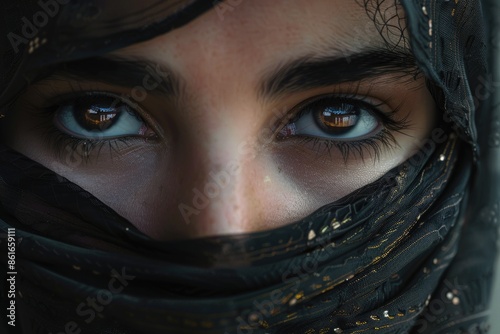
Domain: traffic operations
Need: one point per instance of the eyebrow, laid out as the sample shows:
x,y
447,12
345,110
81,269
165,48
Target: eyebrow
x,y
308,72
290,77
123,72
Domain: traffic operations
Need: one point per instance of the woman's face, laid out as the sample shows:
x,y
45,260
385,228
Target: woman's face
x,y
250,117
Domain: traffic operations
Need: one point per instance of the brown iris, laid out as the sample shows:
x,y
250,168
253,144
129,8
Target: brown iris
x,y
337,120
97,115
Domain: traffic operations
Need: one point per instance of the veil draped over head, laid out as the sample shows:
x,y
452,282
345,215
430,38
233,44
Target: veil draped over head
x,y
412,252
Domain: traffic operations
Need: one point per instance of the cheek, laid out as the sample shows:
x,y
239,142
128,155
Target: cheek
x,y
127,178
323,177
140,185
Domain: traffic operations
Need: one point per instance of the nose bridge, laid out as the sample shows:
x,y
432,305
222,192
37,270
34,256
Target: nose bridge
x,y
220,193
232,185
220,149
220,162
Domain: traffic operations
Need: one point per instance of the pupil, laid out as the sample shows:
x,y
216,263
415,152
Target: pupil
x,y
337,120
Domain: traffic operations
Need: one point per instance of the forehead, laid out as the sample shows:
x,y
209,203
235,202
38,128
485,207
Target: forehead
x,y
284,28
229,50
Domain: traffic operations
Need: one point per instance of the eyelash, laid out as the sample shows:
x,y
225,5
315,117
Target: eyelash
x,y
383,139
63,143
352,148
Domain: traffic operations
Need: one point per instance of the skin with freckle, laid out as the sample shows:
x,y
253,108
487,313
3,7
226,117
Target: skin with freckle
x,y
212,171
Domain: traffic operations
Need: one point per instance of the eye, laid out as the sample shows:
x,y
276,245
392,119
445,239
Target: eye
x,y
334,118
99,116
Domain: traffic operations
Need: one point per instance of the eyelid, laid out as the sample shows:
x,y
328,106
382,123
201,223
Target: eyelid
x,y
68,98
384,111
